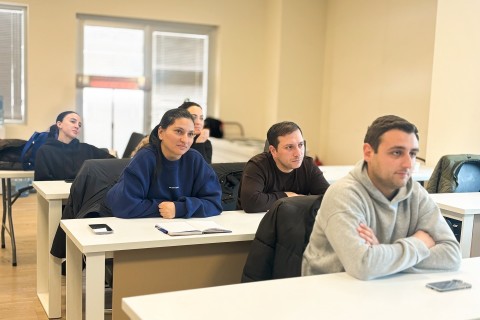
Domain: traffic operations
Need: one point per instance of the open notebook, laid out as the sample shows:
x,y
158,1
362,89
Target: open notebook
x,y
182,228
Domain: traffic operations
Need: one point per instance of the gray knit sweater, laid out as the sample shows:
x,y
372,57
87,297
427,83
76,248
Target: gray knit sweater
x,y
335,245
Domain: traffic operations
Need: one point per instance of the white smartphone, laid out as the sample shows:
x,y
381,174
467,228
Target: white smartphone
x,y
101,228
449,285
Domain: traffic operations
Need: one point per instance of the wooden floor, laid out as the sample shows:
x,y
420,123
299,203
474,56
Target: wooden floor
x,y
18,297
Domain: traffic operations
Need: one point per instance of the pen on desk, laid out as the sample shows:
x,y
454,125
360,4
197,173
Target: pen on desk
x,y
162,230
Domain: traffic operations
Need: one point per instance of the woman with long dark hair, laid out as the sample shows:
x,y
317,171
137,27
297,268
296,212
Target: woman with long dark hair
x,y
166,178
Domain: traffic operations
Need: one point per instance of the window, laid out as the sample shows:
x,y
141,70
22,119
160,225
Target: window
x,y
132,71
180,64
12,63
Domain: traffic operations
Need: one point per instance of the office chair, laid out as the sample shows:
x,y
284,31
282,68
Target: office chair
x,y
133,142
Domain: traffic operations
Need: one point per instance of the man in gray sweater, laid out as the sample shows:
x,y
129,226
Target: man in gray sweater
x,y
377,221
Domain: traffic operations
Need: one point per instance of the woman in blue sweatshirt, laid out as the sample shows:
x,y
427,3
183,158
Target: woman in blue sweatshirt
x,y
166,178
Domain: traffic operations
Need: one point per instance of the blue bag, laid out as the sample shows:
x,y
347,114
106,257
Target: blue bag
x,y
27,158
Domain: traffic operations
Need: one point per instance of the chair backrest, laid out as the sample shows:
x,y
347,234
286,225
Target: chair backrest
x,y
133,142
467,177
445,177
215,126
281,238
90,186
229,175
88,190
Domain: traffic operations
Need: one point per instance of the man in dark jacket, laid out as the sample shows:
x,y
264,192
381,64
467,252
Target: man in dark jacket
x,y
283,171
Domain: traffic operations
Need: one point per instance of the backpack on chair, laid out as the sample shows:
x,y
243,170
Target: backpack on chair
x,y
29,151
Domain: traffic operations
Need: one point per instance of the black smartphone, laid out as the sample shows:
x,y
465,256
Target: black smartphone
x,y
449,285
101,228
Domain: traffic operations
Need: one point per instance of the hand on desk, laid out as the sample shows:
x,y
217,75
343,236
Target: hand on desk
x,y
167,209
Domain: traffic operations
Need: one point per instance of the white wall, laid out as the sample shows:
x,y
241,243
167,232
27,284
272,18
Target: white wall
x,y
333,66
378,61
455,100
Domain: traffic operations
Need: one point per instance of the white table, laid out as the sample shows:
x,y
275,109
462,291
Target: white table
x,y
50,196
464,207
331,296
7,202
334,173
132,236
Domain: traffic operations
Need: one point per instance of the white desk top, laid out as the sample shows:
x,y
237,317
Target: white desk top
x,y
53,190
464,203
332,296
16,174
334,173
141,233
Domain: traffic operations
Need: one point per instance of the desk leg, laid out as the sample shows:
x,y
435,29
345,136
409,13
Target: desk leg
x,y
74,282
466,236
94,284
4,204
7,214
49,278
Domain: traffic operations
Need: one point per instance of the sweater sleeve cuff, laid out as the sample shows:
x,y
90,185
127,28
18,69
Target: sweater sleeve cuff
x,y
420,248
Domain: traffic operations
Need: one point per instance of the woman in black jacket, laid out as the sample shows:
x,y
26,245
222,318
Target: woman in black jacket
x,y
62,155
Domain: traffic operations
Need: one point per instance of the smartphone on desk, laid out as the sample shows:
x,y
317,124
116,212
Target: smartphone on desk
x,y
101,228
449,285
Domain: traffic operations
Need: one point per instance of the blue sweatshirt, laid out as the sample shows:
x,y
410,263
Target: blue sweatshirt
x,y
189,182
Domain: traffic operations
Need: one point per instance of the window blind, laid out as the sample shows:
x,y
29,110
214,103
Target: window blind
x,y
12,62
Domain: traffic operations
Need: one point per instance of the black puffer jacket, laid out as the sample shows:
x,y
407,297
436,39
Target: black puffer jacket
x,y
281,238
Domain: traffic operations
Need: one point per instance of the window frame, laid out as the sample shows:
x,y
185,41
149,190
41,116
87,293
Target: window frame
x,y
23,60
149,27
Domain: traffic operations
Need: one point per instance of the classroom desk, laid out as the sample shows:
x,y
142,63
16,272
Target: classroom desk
x,y
50,196
147,261
334,173
330,296
464,207
7,202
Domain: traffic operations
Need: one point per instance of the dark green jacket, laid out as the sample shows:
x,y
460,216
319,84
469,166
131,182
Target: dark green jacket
x,y
444,178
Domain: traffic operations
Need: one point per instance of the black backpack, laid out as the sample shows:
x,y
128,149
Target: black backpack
x,y
229,175
10,152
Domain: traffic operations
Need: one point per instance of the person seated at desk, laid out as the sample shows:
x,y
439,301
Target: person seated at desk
x,y
62,155
166,178
377,221
200,141
284,171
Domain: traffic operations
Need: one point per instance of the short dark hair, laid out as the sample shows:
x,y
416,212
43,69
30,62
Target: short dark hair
x,y
384,124
281,129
